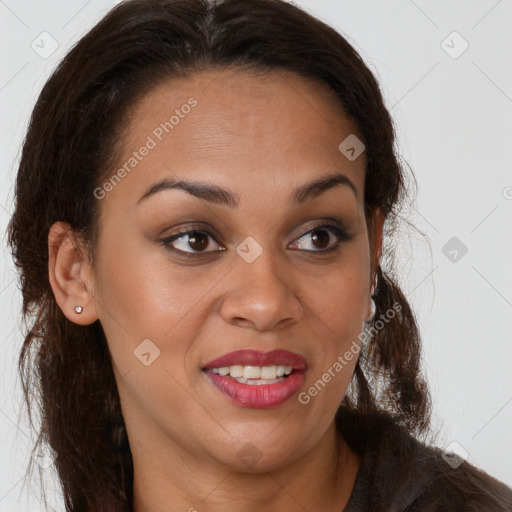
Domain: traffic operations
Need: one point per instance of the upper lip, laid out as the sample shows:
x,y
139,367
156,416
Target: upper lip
x,y
251,357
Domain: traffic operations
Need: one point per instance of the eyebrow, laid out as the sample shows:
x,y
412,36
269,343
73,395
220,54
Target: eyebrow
x,y
222,196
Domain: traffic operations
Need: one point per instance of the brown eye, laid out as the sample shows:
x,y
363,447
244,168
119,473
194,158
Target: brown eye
x,y
319,238
191,242
195,242
198,241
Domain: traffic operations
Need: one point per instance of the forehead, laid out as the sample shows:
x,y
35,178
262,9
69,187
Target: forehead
x,y
274,130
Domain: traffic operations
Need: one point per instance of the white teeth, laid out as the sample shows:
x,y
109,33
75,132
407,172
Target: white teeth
x,y
283,370
242,373
236,371
252,372
268,372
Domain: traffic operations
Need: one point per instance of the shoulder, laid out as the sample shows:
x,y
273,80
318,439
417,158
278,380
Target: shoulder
x,y
400,473
462,487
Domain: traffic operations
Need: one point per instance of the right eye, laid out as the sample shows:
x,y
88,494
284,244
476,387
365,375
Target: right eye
x,y
192,242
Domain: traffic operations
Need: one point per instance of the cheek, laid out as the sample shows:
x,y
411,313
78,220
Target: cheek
x,y
339,305
142,295
340,308
338,296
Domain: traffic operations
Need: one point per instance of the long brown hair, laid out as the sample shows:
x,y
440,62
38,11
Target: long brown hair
x,y
69,147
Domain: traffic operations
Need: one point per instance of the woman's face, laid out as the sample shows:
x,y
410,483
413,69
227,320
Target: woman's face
x,y
254,274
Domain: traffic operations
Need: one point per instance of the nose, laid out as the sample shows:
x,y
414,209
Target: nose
x,y
260,297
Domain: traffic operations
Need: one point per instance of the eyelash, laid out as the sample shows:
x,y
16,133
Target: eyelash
x,y
341,234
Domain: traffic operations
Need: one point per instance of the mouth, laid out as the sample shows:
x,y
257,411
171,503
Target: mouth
x,y
254,367
254,379
254,375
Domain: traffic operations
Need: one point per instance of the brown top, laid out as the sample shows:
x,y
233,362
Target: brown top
x,y
398,473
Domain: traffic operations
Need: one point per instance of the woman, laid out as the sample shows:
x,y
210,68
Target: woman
x,y
201,205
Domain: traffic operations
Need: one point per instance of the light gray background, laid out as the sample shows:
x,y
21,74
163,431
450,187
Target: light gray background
x,y
453,117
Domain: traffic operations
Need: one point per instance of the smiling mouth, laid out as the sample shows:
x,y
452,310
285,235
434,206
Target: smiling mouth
x,y
251,378
254,375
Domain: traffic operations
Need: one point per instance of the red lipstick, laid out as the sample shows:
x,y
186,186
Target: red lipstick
x,y
256,358
258,395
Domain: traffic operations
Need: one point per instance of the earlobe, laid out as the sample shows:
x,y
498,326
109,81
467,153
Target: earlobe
x,y
70,276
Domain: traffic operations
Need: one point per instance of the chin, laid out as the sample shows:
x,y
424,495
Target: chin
x,y
258,455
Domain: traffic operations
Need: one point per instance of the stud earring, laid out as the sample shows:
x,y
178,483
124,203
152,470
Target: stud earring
x,y
373,306
78,309
373,309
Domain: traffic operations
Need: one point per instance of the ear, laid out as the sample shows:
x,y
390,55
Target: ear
x,y
70,275
376,236
378,225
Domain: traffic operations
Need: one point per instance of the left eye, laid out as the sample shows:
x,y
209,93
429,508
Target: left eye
x,y
321,236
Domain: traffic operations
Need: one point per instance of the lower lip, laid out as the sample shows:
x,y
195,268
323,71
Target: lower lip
x,y
257,396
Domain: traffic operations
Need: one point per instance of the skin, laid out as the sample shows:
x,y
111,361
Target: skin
x,y
260,136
